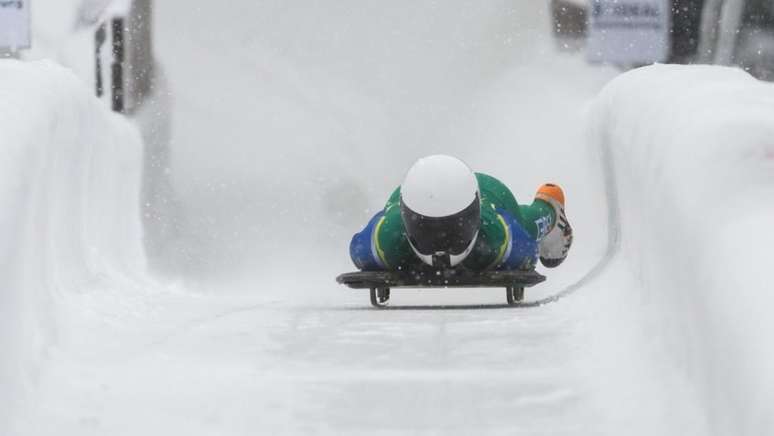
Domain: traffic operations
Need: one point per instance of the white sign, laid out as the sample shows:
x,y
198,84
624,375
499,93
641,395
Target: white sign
x,y
628,32
14,24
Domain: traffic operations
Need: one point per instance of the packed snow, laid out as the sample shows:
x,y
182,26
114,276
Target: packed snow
x,y
693,155
290,134
70,222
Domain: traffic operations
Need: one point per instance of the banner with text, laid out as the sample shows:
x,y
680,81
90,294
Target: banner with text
x,y
14,24
629,32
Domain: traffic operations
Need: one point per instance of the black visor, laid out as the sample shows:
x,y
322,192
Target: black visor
x,y
449,234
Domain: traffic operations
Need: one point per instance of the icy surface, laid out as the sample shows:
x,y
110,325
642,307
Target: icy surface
x,y
293,131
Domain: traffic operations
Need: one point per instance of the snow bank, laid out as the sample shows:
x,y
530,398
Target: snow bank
x,y
693,152
69,211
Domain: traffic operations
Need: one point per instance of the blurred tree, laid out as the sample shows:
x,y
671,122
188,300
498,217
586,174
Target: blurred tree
x,y
686,23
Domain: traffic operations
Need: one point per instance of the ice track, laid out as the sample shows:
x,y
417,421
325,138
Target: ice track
x,y
668,172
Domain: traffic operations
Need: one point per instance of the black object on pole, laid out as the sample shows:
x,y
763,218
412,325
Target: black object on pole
x,y
117,68
99,41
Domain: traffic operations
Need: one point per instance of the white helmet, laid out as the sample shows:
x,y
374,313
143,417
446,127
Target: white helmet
x,y
441,210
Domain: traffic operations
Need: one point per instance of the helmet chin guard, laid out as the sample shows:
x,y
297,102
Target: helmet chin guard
x,y
443,260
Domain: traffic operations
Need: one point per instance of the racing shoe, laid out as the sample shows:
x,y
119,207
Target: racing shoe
x,y
553,248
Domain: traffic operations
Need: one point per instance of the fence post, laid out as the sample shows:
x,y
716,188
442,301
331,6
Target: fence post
x,y
139,56
728,30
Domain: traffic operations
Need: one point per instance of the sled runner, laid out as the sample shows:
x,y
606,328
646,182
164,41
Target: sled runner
x,y
380,282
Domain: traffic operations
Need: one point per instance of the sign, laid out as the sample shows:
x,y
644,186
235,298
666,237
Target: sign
x,y
628,32
14,24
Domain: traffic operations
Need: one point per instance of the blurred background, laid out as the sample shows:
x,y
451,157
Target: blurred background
x,y
274,129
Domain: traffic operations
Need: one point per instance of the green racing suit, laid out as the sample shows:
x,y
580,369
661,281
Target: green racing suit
x,y
508,236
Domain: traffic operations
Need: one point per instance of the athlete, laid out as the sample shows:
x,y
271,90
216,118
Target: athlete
x,y
445,215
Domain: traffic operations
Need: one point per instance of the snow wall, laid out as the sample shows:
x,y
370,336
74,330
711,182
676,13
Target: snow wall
x,y
69,212
691,151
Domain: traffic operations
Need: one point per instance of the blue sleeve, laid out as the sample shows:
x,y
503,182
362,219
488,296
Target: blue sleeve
x,y
523,249
362,250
